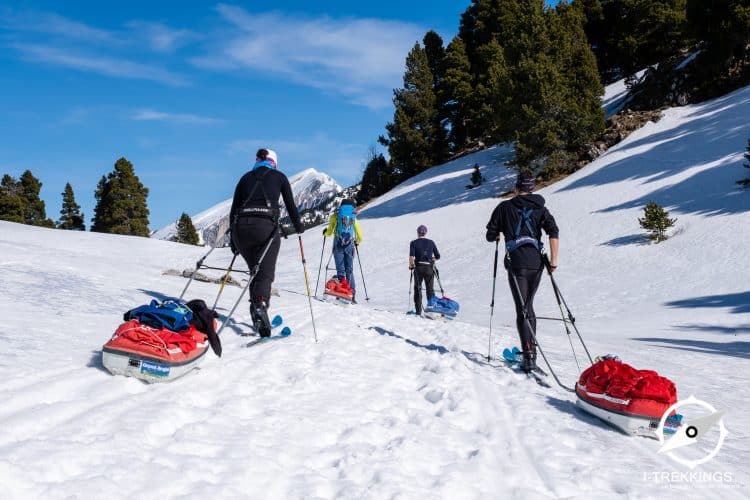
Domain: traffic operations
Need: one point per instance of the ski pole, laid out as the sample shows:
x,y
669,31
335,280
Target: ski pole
x,y
437,274
224,282
253,274
560,302
307,284
322,250
533,333
197,266
492,304
356,249
411,278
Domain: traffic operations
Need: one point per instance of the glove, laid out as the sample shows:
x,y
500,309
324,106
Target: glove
x,y
324,231
300,230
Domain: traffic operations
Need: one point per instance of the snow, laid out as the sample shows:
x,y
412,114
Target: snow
x,y
690,58
386,405
616,96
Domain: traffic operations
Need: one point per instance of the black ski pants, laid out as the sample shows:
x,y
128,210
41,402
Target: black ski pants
x,y
423,272
251,235
528,282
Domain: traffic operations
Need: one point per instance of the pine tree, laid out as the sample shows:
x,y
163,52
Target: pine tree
x,y
71,217
435,52
411,135
186,232
121,206
377,177
35,213
724,27
457,93
476,176
628,35
656,220
12,201
494,107
581,116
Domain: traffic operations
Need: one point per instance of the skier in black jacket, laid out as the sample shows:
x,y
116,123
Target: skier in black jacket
x,y
254,227
520,221
422,255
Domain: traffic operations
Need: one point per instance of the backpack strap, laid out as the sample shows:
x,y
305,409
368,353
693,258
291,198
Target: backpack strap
x,y
267,211
519,241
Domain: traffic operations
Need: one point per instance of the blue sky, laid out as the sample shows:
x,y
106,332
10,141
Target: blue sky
x,y
187,91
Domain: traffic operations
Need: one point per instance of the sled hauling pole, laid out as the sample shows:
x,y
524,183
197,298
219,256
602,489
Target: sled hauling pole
x,y
560,302
197,266
492,304
533,333
322,251
356,249
224,281
437,274
253,274
307,283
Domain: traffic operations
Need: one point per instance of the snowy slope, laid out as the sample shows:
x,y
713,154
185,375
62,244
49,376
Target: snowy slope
x,y
386,405
309,187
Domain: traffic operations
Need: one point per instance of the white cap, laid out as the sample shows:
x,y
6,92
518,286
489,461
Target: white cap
x,y
272,156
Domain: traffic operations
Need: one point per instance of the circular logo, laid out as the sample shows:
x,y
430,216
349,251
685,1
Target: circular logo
x,y
690,433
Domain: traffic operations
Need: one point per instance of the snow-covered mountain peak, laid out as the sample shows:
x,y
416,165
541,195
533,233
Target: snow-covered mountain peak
x,y
310,188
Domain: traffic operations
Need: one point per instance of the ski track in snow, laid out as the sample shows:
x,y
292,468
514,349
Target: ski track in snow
x,y
386,405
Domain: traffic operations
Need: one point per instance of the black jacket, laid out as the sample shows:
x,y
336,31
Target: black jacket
x,y
275,184
505,218
423,250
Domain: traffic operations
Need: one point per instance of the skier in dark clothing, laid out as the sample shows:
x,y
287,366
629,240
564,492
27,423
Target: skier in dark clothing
x,y
520,221
254,228
422,255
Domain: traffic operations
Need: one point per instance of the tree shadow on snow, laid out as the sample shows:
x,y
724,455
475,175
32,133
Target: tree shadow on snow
x,y
426,194
738,302
732,330
702,140
632,239
733,349
432,347
96,361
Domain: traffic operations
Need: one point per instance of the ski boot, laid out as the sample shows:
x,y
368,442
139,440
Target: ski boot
x,y
259,314
528,361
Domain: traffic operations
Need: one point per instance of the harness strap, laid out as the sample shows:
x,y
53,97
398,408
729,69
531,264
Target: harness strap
x,y
260,211
519,241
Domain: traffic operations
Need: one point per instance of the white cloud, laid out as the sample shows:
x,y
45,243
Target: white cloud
x,y
160,37
153,115
98,64
53,24
363,59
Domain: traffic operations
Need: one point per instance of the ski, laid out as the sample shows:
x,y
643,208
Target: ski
x,y
430,316
513,357
284,333
275,323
